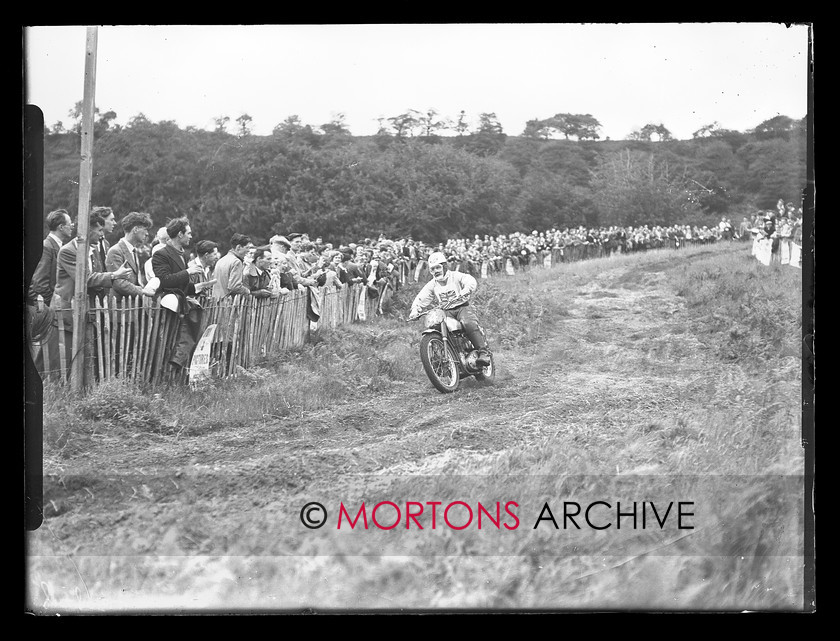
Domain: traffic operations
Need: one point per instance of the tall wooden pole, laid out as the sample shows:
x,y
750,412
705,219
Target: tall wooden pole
x,y
80,298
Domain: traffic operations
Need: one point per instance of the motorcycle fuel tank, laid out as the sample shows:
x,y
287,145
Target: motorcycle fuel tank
x,y
453,324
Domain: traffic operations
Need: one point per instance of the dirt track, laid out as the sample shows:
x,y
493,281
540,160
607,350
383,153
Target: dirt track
x,y
173,509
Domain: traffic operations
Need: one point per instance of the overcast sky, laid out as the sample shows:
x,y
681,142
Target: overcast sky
x,y
684,76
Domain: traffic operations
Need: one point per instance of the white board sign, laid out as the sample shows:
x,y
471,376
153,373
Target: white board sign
x,y
795,255
362,304
764,251
200,365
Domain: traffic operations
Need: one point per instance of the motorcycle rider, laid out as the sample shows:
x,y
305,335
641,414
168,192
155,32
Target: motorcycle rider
x,y
445,286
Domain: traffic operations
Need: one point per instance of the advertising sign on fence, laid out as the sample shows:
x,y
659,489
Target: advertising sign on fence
x,y
363,304
796,255
200,366
763,252
784,251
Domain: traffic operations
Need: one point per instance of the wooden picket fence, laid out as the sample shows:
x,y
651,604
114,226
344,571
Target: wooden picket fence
x,y
133,338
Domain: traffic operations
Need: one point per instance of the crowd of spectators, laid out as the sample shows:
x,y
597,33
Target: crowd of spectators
x,y
780,231
167,264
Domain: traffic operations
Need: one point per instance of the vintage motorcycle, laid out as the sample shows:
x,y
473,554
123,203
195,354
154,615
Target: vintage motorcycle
x,y
448,356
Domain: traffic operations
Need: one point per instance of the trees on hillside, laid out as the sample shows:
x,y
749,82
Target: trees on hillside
x,y
488,138
717,173
714,131
580,126
244,122
221,123
636,188
404,124
336,127
431,123
551,200
651,131
772,168
102,122
777,127
326,181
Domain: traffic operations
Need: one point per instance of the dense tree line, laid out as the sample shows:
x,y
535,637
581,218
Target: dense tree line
x,y
410,180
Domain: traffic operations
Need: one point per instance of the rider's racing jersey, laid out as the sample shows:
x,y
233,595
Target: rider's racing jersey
x,y
455,284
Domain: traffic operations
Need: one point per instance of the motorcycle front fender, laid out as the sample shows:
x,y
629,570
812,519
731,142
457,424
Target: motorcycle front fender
x,y
440,329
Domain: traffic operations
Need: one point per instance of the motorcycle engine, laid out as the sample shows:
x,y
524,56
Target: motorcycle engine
x,y
471,359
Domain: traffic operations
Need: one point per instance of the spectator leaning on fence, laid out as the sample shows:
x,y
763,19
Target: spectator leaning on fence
x,y
282,280
308,255
206,257
330,260
797,229
258,274
770,234
170,265
229,271
298,268
43,278
40,316
159,242
349,272
66,270
785,235
135,227
65,286
279,246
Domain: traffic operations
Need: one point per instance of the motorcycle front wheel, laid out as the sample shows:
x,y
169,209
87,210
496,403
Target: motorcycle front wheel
x,y
439,363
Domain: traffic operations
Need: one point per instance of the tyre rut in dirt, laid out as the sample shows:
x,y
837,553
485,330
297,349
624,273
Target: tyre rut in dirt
x,y
439,363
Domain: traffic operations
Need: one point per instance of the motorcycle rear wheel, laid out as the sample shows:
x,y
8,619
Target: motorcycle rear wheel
x,y
440,363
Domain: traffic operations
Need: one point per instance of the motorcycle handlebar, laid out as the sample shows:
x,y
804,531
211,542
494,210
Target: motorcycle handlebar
x,y
445,306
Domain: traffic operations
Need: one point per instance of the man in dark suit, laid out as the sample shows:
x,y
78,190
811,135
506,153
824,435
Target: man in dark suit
x,y
126,252
40,329
170,266
43,278
65,286
135,226
109,223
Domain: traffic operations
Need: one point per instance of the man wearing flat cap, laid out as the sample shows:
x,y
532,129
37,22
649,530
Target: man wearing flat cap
x,y
279,246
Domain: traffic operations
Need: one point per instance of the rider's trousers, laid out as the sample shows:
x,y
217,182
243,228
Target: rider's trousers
x,y
469,320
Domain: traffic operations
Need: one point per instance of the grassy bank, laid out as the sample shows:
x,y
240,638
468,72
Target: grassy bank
x,y
640,377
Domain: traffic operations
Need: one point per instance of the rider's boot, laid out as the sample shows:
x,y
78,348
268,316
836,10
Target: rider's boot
x,y
483,359
476,337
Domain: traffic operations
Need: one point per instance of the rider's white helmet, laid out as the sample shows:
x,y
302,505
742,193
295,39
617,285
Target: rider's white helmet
x,y
437,258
